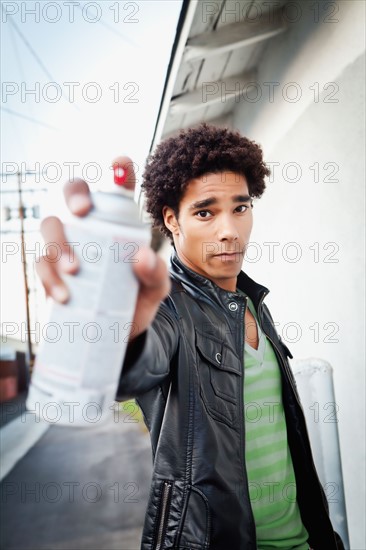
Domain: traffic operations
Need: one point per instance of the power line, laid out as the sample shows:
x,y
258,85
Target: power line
x,y
19,62
37,58
35,121
14,122
107,26
35,55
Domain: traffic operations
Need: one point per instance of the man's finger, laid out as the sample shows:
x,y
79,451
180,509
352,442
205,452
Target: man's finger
x,y
77,196
145,266
52,282
152,274
57,249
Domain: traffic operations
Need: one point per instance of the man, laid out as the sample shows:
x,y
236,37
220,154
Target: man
x,y
232,460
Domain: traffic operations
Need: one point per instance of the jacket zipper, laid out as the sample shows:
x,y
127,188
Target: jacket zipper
x,y
164,514
260,306
283,362
242,422
293,389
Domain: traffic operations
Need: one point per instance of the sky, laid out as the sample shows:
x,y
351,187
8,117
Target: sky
x,y
96,69
81,83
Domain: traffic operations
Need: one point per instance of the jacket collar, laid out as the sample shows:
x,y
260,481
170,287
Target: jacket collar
x,y
199,285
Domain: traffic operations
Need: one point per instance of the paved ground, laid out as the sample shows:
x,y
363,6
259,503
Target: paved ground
x,y
79,489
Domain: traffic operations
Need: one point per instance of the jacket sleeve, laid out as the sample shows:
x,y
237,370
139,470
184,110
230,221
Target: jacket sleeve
x,y
148,357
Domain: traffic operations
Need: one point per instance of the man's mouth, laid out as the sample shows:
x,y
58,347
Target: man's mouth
x,y
228,255
229,252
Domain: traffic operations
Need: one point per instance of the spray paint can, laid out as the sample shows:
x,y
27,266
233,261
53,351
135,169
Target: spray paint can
x,y
78,367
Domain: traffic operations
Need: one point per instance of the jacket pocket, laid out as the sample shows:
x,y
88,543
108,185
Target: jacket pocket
x,y
219,372
196,522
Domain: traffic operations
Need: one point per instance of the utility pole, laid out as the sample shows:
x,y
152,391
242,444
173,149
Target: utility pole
x,y
25,276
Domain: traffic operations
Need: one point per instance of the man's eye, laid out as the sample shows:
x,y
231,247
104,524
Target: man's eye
x,y
242,208
203,214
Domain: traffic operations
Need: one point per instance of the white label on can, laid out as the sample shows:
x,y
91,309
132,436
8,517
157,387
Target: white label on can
x,y
85,340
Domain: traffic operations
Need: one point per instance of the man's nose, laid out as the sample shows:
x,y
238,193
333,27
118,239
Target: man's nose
x,y
227,230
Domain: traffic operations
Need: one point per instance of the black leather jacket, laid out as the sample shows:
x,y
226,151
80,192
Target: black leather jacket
x,y
186,373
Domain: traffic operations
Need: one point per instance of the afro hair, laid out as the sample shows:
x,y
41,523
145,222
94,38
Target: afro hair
x,y
191,154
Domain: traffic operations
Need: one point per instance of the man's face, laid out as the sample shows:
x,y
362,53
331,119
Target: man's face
x,y
214,225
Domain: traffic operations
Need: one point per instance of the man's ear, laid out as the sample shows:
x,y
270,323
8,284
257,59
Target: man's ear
x,y
170,220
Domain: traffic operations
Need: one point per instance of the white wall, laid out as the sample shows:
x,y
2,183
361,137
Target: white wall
x,y
305,211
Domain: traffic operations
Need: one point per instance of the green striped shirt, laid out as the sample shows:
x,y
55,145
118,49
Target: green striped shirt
x,y
272,484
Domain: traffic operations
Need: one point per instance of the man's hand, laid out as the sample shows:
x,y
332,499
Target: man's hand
x,y
150,270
